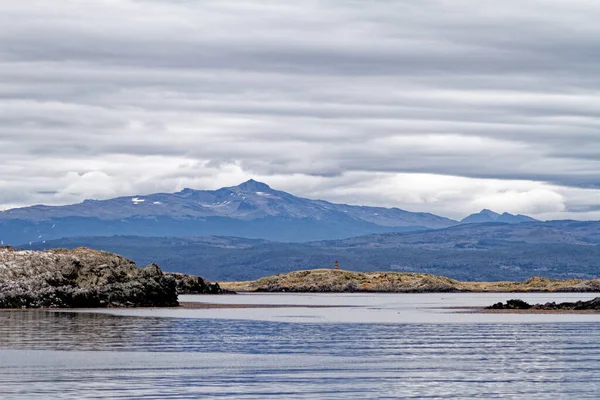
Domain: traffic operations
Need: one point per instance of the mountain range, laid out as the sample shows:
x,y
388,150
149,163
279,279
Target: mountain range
x,y
252,209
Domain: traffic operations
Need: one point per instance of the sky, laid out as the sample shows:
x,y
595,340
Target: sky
x,y
439,106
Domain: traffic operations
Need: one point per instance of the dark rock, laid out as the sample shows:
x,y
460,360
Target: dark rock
x,y
80,278
593,304
514,304
189,284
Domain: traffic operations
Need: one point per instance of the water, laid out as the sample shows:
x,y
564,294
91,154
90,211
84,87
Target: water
x,y
376,346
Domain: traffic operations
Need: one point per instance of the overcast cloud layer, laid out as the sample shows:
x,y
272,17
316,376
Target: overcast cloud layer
x,y
439,106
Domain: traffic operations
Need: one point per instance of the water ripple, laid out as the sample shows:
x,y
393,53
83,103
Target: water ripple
x,y
66,355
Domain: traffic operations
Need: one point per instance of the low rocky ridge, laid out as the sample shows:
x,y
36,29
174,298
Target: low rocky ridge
x,y
328,280
536,284
80,278
516,304
189,284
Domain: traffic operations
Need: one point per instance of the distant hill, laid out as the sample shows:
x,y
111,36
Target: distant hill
x,y
486,215
252,210
470,252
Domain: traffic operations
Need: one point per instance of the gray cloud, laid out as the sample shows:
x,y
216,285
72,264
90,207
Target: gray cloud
x,y
338,99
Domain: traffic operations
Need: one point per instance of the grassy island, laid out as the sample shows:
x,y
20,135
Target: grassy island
x,y
337,281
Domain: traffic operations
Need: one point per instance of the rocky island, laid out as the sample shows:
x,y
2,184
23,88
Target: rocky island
x,y
337,281
84,278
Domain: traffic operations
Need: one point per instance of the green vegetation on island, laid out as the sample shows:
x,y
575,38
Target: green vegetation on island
x,y
331,280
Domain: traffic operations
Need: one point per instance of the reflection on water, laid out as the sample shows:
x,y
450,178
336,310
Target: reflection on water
x,y
78,355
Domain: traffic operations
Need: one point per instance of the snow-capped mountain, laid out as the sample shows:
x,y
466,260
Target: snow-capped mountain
x,y
252,209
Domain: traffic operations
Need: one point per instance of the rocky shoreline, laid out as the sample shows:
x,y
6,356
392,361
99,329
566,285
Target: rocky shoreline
x,y
84,278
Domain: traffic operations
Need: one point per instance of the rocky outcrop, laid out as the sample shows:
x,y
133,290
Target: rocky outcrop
x,y
80,278
189,284
593,304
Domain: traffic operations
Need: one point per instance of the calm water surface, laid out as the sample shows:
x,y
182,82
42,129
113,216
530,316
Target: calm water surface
x,y
375,346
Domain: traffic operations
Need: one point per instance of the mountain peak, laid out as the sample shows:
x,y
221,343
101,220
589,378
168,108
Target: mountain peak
x,y
187,192
487,215
487,211
253,186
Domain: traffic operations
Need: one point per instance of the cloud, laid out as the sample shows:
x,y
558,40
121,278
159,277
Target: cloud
x,y
336,99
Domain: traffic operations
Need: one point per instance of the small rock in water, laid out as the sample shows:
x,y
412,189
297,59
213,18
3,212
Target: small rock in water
x,y
593,304
514,304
